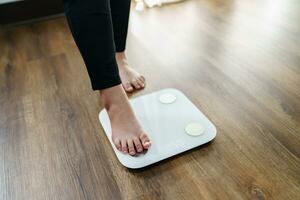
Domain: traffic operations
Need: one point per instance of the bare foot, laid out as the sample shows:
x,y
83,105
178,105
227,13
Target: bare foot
x,y
127,134
131,79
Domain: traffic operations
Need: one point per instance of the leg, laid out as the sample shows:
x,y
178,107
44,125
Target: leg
x,y
131,79
120,10
91,25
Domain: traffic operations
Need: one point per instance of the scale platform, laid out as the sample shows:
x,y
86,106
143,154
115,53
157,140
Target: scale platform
x,y
173,123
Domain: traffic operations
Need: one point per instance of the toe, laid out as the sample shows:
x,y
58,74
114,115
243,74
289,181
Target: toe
x,y
140,82
143,78
137,144
124,146
128,87
117,143
131,149
135,84
145,141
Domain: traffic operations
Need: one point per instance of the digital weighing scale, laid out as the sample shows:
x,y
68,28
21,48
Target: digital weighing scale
x,y
173,123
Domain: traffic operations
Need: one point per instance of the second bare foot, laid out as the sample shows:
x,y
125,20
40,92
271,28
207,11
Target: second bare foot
x,y
131,79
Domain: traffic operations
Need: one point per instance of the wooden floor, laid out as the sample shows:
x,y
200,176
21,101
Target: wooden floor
x,y
238,61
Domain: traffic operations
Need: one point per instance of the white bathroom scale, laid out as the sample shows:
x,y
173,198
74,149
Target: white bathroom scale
x,y
173,123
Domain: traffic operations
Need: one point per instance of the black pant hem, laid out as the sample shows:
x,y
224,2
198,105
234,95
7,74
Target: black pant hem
x,y
106,84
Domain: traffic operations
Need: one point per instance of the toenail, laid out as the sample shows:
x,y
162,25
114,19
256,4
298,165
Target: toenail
x,y
147,143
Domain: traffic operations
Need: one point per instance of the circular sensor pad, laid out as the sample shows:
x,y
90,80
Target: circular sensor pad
x,y
194,129
167,98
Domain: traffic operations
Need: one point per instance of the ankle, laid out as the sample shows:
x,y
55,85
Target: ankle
x,y
121,55
121,58
113,97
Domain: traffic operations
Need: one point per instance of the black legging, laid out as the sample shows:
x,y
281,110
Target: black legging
x,y
99,28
